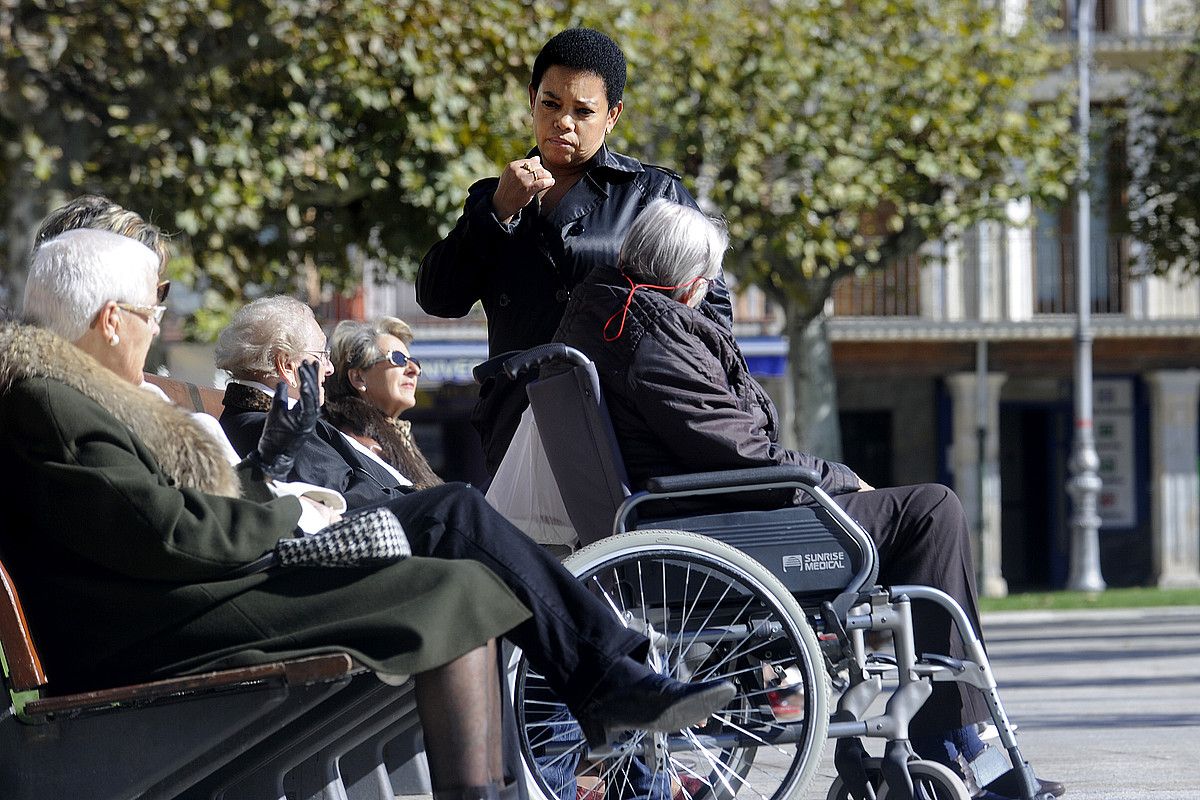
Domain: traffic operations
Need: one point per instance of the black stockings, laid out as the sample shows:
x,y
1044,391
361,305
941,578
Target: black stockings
x,y
459,706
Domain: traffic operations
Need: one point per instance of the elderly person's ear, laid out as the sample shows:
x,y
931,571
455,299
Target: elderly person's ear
x,y
107,324
285,367
696,293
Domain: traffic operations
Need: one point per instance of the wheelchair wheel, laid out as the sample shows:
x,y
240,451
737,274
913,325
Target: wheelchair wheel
x,y
839,791
710,611
933,781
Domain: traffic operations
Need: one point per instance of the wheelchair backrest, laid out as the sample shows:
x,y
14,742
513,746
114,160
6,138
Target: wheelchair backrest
x,y
581,448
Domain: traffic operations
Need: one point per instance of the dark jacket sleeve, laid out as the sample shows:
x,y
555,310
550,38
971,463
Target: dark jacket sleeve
x,y
679,387
716,306
452,274
108,503
323,460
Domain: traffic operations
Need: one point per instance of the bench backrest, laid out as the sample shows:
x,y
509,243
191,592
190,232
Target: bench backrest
x,y
22,666
190,396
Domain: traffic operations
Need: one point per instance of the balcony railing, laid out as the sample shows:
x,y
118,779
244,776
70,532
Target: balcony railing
x,y
894,291
1055,269
1049,273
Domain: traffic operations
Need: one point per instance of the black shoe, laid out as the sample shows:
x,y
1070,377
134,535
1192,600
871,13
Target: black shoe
x,y
1009,786
655,703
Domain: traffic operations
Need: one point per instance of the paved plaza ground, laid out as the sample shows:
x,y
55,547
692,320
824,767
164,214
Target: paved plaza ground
x,y
1107,701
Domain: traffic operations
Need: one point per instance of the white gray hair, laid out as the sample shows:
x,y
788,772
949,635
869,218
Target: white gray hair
x,y
269,325
74,274
671,244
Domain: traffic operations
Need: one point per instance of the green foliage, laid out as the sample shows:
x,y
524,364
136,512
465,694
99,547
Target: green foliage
x,y
271,134
837,136
1165,184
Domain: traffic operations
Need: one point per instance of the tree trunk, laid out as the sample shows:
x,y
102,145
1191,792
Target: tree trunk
x,y
811,409
26,204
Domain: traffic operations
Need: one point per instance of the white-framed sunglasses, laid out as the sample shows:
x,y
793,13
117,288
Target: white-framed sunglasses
x,y
397,358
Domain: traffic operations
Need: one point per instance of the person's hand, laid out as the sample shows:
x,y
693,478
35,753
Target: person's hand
x,y
287,428
324,513
519,182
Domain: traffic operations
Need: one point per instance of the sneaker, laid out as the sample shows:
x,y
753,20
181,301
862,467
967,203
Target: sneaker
x,y
589,787
688,787
785,695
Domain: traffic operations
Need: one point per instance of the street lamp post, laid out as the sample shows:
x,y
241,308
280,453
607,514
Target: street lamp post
x,y
1084,486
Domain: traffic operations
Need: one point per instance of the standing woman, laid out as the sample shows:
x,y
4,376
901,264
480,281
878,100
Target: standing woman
x,y
528,237
374,381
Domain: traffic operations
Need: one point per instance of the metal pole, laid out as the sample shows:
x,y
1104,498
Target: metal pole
x,y
1084,485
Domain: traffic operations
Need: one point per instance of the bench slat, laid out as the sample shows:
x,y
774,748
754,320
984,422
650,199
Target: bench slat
x,y
189,395
301,671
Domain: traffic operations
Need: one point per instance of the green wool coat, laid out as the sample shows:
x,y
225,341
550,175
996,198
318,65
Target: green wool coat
x,y
122,523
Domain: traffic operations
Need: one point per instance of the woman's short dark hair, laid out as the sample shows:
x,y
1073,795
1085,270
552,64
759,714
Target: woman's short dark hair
x,y
587,50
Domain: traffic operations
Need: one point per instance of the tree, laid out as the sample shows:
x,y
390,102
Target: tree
x,y
1164,189
837,137
272,134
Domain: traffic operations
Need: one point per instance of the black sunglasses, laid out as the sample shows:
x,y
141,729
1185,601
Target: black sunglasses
x,y
397,358
164,289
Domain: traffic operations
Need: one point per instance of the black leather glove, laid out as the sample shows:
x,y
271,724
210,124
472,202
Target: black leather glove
x,y
287,428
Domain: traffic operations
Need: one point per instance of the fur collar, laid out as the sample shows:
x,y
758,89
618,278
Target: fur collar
x,y
183,449
247,398
356,416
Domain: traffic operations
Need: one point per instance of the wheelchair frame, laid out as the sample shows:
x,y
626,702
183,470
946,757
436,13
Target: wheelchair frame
x,y
576,416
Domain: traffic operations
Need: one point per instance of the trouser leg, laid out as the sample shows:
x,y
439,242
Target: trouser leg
x,y
921,532
572,639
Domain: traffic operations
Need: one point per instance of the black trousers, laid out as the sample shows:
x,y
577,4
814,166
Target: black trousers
x,y
921,532
572,639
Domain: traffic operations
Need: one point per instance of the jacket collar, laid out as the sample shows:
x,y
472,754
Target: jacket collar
x,y
588,193
603,161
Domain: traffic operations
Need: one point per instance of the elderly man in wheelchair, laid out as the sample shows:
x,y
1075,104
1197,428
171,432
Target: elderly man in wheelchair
x,y
786,608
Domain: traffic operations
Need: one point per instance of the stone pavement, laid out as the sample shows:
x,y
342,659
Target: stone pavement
x,y
1108,701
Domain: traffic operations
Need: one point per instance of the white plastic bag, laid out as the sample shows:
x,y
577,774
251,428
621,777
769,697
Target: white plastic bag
x,y
525,492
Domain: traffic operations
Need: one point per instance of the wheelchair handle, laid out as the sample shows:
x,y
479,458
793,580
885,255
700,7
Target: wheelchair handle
x,y
543,354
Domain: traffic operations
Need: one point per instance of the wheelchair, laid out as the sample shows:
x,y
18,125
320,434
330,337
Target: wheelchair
x,y
779,602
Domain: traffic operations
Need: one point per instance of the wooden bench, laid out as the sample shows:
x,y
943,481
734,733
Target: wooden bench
x,y
190,396
151,739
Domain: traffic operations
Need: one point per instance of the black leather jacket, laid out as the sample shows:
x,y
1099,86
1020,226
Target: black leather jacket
x,y
524,271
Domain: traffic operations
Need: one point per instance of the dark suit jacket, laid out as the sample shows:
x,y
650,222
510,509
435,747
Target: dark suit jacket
x,y
326,459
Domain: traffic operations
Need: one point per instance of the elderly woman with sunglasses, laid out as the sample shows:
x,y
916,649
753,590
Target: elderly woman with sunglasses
x,y
375,381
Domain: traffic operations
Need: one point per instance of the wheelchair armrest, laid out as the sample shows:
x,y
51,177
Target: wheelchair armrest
x,y
732,479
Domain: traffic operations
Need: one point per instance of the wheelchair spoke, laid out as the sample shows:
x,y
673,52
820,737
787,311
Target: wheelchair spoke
x,y
720,769
709,614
